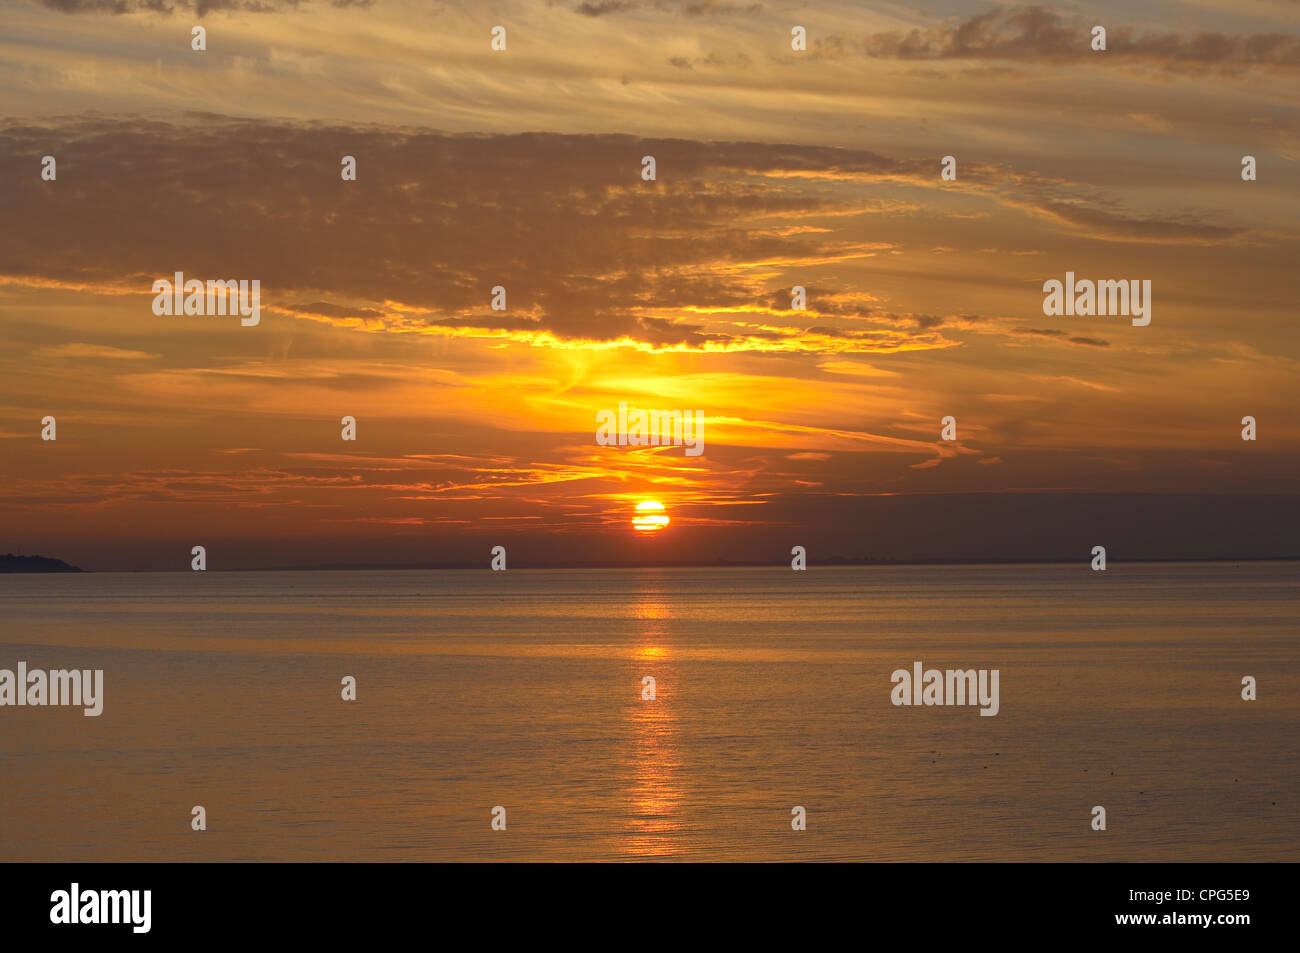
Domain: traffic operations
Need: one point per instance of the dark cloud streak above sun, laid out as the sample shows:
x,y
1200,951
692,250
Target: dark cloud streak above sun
x,y
587,250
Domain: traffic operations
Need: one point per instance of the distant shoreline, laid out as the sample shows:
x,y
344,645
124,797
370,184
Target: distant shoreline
x,y
24,564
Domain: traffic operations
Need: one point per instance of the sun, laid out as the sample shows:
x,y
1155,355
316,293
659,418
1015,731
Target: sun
x,y
650,517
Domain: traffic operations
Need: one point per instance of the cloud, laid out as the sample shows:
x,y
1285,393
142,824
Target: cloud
x,y
1058,333
588,251
82,350
1037,33
590,254
599,8
1078,382
1105,224
712,61
198,7
688,8
325,309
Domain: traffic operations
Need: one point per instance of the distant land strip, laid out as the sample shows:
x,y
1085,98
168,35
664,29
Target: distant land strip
x,y
11,563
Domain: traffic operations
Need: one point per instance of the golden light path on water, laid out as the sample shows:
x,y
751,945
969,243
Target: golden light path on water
x,y
654,790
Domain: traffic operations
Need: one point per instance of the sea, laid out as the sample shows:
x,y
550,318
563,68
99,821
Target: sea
x,y
511,715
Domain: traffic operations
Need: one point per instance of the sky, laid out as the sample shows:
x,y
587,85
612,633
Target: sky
x,y
522,168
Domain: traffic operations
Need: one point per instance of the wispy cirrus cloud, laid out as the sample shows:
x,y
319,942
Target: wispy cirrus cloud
x,y
590,253
1040,34
198,7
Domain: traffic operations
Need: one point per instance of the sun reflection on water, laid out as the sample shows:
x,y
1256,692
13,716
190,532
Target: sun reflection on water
x,y
654,794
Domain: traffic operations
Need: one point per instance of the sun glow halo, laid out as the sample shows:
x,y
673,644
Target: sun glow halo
x,y
650,517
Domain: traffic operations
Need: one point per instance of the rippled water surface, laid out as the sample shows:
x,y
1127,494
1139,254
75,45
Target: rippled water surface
x,y
523,689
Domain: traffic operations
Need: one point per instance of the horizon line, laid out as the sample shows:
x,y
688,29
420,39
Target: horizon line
x,y
833,563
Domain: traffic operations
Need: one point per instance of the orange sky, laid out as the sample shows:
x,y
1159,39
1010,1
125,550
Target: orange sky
x,y
522,169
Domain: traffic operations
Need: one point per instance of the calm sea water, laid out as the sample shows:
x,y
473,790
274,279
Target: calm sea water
x,y
523,689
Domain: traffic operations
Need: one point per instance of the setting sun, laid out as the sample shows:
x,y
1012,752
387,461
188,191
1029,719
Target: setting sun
x,y
650,517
